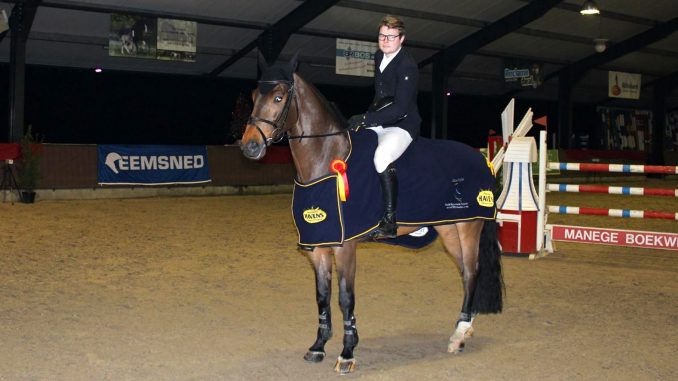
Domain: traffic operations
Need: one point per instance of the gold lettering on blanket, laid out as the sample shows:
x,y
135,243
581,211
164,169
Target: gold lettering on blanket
x,y
314,215
485,198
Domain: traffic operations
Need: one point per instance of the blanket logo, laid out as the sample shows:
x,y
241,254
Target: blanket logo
x,y
457,195
485,198
314,215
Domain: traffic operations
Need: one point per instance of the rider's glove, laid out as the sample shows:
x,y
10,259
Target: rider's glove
x,y
356,122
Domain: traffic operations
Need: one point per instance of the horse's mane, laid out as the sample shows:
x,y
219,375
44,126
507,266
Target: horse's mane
x,y
330,106
283,72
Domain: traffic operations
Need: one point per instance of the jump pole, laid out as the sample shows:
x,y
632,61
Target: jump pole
x,y
623,213
625,168
633,191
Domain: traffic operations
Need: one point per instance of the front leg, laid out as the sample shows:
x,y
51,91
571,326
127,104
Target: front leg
x,y
322,264
346,264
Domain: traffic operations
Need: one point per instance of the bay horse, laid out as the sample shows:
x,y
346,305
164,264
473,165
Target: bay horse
x,y
286,105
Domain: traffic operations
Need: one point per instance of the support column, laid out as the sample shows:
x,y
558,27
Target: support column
x,y
17,73
565,81
656,155
438,98
20,23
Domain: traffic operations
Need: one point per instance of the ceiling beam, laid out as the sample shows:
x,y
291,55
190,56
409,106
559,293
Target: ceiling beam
x,y
650,36
670,81
98,8
412,13
272,40
608,14
455,53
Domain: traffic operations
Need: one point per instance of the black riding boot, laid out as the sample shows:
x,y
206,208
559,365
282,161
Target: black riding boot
x,y
389,189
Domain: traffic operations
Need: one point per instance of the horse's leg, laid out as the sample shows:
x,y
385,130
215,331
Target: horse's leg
x,y
461,240
345,257
322,263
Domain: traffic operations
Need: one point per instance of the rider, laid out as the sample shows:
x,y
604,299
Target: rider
x,y
393,115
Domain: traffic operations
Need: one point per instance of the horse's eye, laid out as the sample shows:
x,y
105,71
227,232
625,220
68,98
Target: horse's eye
x,y
278,99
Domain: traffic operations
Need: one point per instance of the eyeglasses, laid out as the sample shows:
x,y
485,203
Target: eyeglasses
x,y
390,37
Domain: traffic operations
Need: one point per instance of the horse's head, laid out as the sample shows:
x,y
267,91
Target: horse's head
x,y
273,99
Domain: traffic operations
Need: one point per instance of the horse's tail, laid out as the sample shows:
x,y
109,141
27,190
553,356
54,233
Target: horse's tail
x,y
489,291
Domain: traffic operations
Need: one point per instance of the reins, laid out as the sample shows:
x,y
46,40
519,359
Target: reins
x,y
317,135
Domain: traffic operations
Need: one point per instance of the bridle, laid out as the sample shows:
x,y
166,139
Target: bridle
x,y
279,132
279,124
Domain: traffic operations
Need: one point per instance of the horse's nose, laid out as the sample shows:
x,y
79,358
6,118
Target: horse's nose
x,y
251,149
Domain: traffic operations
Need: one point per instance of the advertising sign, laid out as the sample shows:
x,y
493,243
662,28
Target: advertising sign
x,y
152,165
355,57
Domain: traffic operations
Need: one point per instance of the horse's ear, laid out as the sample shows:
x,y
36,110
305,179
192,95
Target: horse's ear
x,y
294,62
263,66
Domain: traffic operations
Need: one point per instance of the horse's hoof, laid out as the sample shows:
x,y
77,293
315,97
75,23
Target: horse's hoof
x,y
456,346
463,331
469,332
313,356
344,366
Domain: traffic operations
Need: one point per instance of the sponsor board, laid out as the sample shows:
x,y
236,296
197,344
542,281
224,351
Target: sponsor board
x,y
615,237
152,165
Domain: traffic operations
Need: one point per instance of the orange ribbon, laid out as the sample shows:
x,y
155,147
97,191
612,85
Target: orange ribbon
x,y
339,167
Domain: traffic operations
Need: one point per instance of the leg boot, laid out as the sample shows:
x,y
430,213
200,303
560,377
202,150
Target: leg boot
x,y
389,188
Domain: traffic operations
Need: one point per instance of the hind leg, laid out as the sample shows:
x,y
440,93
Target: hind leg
x,y
461,242
321,258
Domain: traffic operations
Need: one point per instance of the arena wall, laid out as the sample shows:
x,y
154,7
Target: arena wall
x,y
69,171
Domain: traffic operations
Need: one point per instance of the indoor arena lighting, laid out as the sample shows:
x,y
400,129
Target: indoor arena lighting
x,y
589,8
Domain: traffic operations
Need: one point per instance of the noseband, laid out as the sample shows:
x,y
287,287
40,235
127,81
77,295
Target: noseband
x,y
279,124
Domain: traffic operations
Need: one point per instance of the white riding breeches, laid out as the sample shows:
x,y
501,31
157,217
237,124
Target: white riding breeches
x,y
392,142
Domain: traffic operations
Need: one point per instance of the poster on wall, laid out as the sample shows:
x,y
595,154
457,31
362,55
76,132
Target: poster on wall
x,y
132,36
623,85
519,73
355,57
671,139
177,40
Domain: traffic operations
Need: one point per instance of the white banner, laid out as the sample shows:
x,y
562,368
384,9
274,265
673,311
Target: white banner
x,y
623,85
355,57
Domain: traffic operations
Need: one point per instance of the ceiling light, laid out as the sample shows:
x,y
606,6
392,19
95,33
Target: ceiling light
x,y
600,44
589,8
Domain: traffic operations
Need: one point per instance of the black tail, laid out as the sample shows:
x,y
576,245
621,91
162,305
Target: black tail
x,y
489,291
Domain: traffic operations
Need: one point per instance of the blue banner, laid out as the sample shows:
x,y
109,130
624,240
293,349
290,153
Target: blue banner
x,y
152,165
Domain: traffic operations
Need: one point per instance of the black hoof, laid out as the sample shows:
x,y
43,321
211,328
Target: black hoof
x,y
312,356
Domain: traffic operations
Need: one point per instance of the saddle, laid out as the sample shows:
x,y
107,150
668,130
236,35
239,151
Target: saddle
x,y
440,182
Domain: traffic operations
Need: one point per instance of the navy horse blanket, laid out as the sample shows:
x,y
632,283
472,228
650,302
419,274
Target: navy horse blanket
x,y
439,182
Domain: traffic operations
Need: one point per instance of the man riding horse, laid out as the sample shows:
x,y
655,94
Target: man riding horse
x,y
393,115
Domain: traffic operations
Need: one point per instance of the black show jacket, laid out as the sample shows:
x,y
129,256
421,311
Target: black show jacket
x,y
399,80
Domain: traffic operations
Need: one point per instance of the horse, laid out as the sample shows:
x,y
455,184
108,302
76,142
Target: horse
x,y
286,105
133,38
